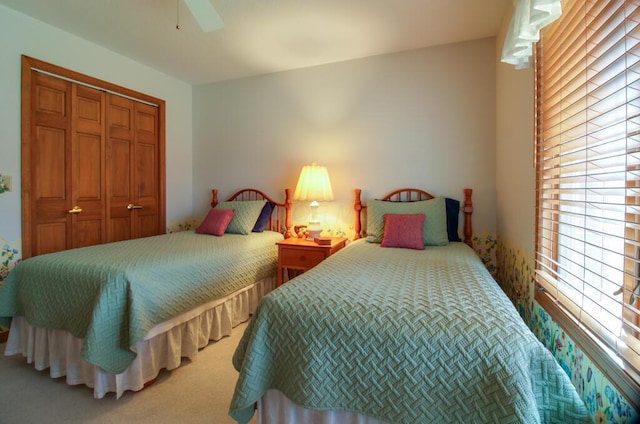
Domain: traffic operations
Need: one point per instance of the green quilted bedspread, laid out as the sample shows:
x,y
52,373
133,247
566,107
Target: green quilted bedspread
x,y
405,336
111,295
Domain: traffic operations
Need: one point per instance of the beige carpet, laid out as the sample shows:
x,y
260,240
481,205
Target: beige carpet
x,y
199,391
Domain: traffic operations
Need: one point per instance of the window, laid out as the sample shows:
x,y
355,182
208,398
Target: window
x,y
588,181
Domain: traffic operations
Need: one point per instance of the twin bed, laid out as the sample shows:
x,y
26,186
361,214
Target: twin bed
x,y
112,316
403,326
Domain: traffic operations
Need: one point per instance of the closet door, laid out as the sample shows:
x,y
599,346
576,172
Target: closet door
x,y
92,161
88,194
146,172
67,164
133,171
48,184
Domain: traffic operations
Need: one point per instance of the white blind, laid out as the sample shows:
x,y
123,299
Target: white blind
x,y
588,169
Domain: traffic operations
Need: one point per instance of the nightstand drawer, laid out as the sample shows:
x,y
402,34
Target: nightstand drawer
x,y
298,258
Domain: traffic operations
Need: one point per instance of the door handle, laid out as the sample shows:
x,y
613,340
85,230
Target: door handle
x,y
75,210
131,207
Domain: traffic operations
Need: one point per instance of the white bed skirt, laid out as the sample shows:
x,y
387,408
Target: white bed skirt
x,y
164,346
275,408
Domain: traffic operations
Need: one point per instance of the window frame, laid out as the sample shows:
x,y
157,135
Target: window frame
x,y
621,374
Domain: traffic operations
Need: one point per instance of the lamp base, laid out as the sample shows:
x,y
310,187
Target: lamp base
x,y
313,233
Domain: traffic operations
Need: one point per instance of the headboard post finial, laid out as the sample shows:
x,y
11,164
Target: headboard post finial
x,y
358,208
288,206
214,197
467,209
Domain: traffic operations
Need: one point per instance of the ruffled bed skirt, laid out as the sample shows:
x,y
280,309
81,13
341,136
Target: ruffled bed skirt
x,y
163,347
275,408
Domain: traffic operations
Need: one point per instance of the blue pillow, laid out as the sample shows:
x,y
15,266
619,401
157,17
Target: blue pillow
x,y
265,216
453,211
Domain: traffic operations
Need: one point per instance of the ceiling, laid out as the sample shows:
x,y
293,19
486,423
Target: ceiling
x,y
264,36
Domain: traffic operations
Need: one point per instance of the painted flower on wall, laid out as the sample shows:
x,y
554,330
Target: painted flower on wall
x,y
186,225
9,257
3,186
485,247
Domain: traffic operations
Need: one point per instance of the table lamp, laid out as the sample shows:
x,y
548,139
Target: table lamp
x,y
314,186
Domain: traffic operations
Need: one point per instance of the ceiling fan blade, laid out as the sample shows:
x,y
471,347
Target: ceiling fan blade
x,y
205,14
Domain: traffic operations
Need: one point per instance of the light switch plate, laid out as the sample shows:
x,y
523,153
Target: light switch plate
x,y
5,182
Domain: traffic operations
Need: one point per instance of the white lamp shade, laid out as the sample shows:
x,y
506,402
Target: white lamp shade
x,y
313,184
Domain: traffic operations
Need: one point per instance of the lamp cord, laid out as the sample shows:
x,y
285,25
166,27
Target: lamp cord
x,y
177,14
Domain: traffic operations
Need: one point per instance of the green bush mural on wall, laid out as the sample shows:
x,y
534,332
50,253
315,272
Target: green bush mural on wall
x,y
4,187
9,257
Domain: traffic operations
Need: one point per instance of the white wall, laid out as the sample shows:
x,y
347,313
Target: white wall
x,y
515,172
423,118
23,35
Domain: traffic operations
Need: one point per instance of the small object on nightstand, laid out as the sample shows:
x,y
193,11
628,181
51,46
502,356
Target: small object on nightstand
x,y
323,241
301,231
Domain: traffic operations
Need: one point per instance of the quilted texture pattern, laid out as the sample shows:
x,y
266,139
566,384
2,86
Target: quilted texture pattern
x,y
435,226
111,295
245,216
406,336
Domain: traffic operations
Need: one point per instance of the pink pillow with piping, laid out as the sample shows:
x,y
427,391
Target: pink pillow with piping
x,y
403,230
216,222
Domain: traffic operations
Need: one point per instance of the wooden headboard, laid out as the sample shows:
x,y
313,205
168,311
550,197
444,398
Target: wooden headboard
x,y
280,218
413,195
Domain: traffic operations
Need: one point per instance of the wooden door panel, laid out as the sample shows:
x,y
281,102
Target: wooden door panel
x,y
119,170
148,225
51,100
120,114
147,123
120,174
51,237
47,211
89,167
87,172
147,174
89,232
147,189
121,228
50,95
50,165
89,109
89,226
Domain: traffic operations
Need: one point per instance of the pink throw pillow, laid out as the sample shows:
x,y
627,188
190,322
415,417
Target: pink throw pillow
x,y
403,230
216,222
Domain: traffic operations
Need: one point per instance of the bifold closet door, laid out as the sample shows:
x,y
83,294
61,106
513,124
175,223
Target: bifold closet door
x,y
92,161
132,169
67,153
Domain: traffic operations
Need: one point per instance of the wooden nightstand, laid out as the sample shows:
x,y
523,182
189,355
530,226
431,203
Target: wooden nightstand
x,y
301,254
